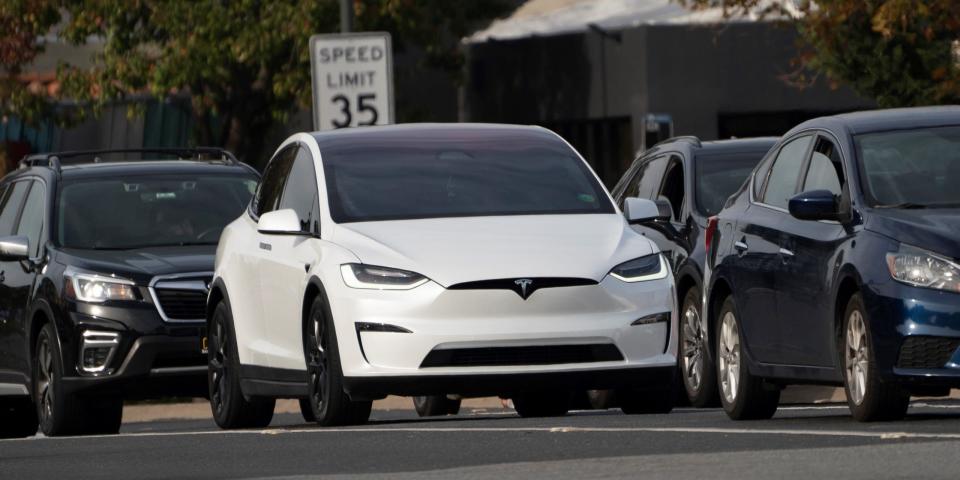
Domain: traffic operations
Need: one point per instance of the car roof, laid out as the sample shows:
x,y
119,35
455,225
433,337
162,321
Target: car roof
x,y
738,144
419,132
888,119
140,167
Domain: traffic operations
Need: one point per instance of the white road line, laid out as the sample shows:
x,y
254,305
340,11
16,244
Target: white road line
x,y
723,431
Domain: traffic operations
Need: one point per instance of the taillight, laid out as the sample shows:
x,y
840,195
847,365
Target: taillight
x,y
708,235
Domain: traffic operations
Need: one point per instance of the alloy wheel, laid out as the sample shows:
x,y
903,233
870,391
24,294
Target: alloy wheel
x,y
857,354
692,348
729,357
45,392
218,365
317,360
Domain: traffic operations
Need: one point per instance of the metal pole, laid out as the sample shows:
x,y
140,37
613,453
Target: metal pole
x,y
346,16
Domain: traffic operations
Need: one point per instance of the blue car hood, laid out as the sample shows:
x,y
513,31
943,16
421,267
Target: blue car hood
x,y
937,230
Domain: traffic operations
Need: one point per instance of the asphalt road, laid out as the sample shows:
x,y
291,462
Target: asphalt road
x,y
799,442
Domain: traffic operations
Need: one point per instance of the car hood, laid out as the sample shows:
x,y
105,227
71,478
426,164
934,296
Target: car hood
x,y
456,250
932,229
142,264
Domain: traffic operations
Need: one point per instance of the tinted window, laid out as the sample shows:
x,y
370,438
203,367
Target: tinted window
x,y
12,199
826,169
672,189
717,176
31,221
785,173
300,190
445,177
268,194
920,167
145,211
646,180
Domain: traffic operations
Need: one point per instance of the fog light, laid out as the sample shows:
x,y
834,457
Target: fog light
x,y
96,351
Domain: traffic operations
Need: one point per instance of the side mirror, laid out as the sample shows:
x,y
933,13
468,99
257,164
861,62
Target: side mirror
x,y
280,222
14,248
816,205
640,210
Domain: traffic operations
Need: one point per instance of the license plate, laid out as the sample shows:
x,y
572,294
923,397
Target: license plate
x,y
203,345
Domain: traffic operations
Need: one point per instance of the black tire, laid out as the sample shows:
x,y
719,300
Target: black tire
x,y
648,400
18,417
749,398
58,413
329,402
542,404
602,399
306,411
435,405
696,369
230,408
870,399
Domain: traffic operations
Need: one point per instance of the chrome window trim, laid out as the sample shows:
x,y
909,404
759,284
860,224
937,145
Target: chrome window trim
x,y
189,286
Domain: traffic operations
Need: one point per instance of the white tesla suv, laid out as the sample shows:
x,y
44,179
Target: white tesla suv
x,y
444,261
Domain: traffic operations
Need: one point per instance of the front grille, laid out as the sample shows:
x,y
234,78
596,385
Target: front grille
x,y
927,352
536,355
183,304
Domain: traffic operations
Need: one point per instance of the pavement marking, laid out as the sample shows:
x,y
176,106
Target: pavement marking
x,y
557,429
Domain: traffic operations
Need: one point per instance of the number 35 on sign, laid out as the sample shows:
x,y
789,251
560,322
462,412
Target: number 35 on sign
x,y
352,80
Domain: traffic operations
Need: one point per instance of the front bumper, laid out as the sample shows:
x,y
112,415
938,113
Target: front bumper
x,y
916,333
431,319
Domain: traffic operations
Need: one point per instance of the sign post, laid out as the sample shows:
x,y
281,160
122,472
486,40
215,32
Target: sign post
x,y
352,80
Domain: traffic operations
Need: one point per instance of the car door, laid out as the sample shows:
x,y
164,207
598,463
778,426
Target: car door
x,y
283,269
11,202
810,252
757,244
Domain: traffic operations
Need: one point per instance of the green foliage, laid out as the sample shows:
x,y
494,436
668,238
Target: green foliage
x,y
244,63
897,52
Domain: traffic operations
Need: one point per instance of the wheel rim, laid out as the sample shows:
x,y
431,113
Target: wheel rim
x,y
857,354
729,357
317,360
45,392
692,348
218,365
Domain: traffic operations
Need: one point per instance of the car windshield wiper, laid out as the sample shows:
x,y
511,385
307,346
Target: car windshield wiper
x,y
905,206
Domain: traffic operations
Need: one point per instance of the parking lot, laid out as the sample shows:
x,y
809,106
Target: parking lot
x,y
801,441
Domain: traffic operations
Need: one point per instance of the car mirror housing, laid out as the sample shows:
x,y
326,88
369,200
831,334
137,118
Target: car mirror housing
x,y
816,205
280,222
640,210
14,248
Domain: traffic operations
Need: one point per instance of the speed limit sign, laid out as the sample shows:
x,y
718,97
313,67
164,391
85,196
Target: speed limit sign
x,y
352,80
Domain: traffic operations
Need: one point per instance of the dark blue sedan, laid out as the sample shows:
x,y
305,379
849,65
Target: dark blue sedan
x,y
837,263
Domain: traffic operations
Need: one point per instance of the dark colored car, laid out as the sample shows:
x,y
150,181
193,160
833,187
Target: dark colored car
x,y
690,180
837,264
104,272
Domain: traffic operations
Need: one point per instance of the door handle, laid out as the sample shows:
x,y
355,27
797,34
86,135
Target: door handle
x,y
266,246
785,252
741,246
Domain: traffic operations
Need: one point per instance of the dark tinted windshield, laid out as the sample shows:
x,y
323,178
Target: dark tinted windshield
x,y
719,175
911,167
446,178
146,211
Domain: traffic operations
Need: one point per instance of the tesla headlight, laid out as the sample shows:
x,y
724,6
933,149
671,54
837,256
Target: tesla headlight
x,y
358,275
921,268
93,288
650,267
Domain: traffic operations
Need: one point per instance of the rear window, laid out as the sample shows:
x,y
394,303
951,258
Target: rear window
x,y
719,175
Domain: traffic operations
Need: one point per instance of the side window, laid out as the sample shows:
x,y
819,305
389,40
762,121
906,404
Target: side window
x,y
785,174
647,179
268,193
10,206
826,169
31,221
761,176
672,188
300,192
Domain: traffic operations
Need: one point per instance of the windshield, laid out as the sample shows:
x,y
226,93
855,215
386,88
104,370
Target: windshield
x,y
148,211
911,168
444,179
719,175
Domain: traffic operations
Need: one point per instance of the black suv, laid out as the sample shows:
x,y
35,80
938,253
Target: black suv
x,y
690,180
105,262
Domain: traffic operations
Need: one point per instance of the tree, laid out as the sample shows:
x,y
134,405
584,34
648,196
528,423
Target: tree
x,y
23,23
244,63
897,52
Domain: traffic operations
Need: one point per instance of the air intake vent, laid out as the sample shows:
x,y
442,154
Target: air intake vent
x,y
927,352
536,355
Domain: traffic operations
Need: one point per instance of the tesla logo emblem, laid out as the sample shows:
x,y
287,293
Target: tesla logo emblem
x,y
523,283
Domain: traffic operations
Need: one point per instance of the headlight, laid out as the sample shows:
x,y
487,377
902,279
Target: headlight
x,y
357,275
93,288
650,267
921,268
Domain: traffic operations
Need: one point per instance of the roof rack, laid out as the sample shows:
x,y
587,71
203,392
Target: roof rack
x,y
683,138
55,160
